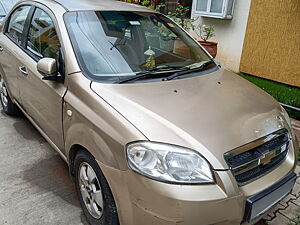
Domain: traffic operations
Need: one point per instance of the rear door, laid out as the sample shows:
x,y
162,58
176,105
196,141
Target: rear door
x,y
11,48
41,99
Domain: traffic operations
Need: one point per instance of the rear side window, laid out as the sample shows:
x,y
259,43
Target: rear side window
x,y
42,38
17,23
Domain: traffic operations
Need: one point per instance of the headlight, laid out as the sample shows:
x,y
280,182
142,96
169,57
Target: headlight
x,y
169,163
286,116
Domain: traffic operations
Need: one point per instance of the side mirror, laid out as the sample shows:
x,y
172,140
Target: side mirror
x,y
48,68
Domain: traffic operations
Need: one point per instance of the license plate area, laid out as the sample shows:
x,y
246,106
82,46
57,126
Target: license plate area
x,y
265,200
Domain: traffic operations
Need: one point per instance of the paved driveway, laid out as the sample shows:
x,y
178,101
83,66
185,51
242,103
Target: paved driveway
x,y
35,187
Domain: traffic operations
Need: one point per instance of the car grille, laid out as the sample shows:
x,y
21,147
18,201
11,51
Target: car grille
x,y
251,161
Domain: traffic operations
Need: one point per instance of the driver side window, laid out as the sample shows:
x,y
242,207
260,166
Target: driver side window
x,y
42,38
17,23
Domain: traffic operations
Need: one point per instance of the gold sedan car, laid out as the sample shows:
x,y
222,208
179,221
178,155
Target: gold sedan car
x,y
154,131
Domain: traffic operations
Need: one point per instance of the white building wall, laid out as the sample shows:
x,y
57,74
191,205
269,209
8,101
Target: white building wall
x,y
230,34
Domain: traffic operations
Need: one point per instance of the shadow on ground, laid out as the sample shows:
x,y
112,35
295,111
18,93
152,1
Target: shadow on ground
x,y
27,130
51,175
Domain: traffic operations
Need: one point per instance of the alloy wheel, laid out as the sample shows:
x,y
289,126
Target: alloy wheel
x,y
90,190
3,93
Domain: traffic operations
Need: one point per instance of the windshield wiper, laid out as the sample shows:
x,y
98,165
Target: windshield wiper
x,y
120,42
184,72
153,73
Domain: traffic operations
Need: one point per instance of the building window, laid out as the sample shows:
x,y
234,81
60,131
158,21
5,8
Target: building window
x,y
214,8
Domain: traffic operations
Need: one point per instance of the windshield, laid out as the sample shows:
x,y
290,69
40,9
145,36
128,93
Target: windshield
x,y
122,43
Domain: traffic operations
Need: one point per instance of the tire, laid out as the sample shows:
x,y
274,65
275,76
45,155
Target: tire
x,y
8,106
89,184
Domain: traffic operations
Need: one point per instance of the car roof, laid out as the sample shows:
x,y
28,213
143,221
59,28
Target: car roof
x,y
101,5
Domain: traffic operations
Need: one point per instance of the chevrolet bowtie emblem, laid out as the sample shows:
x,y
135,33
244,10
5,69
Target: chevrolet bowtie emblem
x,y
264,159
267,158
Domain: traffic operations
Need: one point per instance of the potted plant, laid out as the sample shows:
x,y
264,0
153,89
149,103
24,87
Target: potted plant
x,y
180,15
165,38
205,33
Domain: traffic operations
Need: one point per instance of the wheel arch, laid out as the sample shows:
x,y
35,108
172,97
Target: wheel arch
x,y
2,74
76,148
72,154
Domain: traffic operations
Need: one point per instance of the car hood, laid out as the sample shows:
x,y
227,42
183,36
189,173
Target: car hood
x,y
211,113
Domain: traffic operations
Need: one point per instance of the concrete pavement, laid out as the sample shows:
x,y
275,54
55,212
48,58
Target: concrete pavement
x,y
35,187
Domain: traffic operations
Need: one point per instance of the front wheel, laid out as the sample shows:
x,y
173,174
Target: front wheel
x,y
93,191
8,106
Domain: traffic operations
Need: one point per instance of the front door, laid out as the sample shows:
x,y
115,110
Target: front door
x,y
41,99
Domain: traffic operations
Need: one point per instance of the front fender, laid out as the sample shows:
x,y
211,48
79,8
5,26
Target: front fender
x,y
92,123
79,134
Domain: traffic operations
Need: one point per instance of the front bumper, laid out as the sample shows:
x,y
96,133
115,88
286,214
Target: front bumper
x,y
142,201
260,203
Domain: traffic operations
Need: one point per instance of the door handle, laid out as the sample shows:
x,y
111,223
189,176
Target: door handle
x,y
1,49
23,70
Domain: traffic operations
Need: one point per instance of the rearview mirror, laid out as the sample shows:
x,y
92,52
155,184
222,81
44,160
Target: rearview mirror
x,y
48,68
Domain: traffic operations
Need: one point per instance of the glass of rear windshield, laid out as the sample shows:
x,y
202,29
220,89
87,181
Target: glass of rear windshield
x,y
123,43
